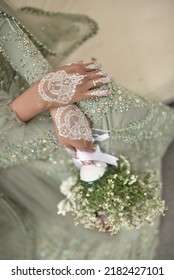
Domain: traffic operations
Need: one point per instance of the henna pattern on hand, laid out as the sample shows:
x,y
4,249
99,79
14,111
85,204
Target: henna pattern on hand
x,y
59,86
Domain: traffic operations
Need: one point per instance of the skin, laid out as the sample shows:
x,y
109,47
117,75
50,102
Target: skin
x,y
30,103
80,144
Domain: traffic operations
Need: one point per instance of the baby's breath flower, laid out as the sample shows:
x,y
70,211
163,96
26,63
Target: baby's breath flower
x,y
67,184
64,207
122,198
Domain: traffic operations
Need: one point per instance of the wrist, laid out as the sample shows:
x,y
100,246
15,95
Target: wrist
x,y
41,104
53,111
29,104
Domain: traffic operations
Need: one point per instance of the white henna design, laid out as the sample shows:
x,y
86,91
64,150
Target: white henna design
x,y
59,86
72,123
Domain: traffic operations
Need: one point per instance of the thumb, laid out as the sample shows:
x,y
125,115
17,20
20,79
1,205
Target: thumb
x,y
82,145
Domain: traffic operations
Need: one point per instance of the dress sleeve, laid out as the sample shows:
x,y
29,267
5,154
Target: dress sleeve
x,y
20,51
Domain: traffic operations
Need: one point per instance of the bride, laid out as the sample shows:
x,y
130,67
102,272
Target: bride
x,y
36,103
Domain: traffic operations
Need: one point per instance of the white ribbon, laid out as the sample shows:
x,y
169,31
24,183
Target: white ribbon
x,y
98,155
101,137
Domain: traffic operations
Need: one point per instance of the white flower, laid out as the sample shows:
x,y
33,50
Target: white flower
x,y
118,210
132,181
63,207
66,185
92,172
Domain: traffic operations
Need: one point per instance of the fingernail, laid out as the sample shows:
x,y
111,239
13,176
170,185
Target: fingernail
x,y
102,73
94,66
99,93
104,80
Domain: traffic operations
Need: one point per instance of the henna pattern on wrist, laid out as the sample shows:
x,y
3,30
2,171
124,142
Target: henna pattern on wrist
x,y
72,123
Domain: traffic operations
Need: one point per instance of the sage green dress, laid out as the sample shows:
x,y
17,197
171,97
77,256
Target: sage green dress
x,y
32,163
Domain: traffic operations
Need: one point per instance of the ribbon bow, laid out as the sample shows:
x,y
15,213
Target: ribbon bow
x,y
98,155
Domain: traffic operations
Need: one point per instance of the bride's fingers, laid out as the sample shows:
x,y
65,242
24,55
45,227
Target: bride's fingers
x,y
96,75
72,145
83,145
78,68
91,66
97,93
97,82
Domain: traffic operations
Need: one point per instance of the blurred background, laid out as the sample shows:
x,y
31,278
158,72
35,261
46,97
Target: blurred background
x,y
135,45
135,42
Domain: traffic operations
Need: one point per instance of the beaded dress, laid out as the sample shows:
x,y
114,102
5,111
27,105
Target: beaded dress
x,y
33,165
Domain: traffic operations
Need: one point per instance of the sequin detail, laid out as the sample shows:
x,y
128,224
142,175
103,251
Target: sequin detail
x,y
25,51
122,100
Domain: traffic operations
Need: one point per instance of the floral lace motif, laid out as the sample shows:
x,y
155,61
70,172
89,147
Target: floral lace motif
x,y
72,123
59,86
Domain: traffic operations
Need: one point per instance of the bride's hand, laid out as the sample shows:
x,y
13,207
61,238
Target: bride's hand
x,y
71,83
66,85
72,128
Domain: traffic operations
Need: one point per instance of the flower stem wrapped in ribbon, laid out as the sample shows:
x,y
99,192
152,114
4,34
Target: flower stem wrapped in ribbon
x,y
119,198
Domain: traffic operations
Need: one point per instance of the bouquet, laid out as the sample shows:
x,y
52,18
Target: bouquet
x,y
109,197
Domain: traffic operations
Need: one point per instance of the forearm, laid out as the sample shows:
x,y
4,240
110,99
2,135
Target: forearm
x,y
28,61
63,86
24,57
29,104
